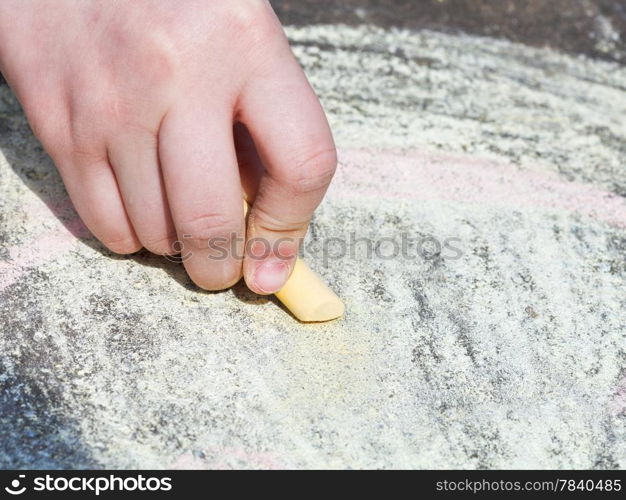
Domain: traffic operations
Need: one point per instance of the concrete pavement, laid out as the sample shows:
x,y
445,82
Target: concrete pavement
x,y
506,349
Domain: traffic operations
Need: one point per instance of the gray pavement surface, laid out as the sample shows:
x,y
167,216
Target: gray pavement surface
x,y
507,349
596,28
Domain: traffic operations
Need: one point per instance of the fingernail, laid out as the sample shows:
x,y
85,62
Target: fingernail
x,y
271,275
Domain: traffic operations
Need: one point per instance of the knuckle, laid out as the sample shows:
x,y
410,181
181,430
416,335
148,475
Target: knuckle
x,y
251,20
198,231
314,173
265,221
154,54
120,110
248,14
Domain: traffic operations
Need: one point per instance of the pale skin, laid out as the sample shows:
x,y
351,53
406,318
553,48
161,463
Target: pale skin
x,y
161,115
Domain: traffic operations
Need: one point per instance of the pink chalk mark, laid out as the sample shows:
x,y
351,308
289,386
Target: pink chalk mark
x,y
425,176
416,175
38,251
45,246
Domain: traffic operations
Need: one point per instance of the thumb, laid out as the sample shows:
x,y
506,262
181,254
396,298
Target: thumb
x,y
279,219
293,139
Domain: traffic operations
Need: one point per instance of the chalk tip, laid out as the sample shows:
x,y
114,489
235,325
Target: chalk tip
x,y
327,311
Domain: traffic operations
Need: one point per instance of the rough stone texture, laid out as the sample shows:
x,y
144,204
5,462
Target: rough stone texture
x,y
593,27
506,349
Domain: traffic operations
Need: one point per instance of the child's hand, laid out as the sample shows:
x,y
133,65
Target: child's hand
x,y
135,102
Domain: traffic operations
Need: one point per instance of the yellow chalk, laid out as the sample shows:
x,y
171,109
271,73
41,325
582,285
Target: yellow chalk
x,y
306,295
308,298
